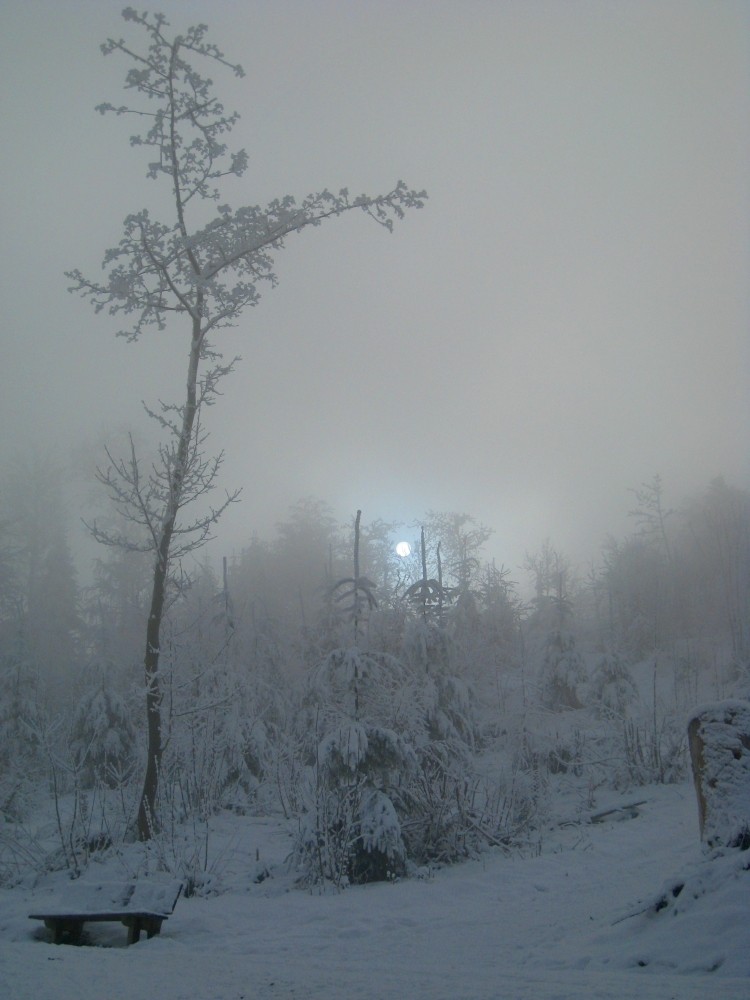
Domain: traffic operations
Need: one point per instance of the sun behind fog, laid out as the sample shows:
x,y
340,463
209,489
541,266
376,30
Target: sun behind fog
x,y
403,549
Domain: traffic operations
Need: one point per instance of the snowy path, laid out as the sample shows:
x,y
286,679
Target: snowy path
x,y
517,929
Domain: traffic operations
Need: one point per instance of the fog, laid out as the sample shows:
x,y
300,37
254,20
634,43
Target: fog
x,y
556,337
566,317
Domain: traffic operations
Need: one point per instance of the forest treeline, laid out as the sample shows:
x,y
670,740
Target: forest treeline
x,y
320,675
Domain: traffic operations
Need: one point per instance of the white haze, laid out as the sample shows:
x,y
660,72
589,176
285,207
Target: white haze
x,y
566,318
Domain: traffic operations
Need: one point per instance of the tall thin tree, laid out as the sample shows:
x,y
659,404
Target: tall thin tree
x,y
202,274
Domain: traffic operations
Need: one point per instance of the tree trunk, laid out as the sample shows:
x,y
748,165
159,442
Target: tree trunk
x,y
147,813
719,739
147,822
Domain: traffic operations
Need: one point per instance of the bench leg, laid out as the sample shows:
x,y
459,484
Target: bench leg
x,y
136,924
59,928
153,926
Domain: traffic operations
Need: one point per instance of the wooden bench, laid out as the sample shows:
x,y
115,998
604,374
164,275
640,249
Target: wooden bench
x,y
141,906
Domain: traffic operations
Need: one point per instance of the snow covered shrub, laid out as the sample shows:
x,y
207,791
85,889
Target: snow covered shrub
x,y
352,836
450,711
388,765
358,715
350,831
102,738
653,749
443,729
19,752
379,851
527,785
612,688
427,646
568,751
435,804
194,767
551,647
562,676
247,762
447,700
359,683
418,772
325,836
85,819
256,727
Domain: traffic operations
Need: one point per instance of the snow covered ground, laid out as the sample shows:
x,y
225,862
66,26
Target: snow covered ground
x,y
541,927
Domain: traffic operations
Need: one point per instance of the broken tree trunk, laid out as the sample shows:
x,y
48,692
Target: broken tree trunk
x,y
719,739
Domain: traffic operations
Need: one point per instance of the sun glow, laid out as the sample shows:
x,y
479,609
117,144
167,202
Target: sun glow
x,y
403,549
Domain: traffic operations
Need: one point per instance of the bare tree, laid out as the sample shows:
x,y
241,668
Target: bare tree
x,y
202,274
650,515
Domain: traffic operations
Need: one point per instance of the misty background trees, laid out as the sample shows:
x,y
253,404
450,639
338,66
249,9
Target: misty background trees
x,y
369,736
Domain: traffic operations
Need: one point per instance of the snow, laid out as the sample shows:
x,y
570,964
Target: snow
x,y
572,919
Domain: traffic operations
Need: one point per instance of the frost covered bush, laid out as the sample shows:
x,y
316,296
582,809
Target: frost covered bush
x,y
350,836
359,683
450,709
653,749
447,701
257,738
388,770
558,666
350,831
247,763
379,851
439,799
19,751
102,738
394,724
436,804
527,784
196,770
612,688
562,676
427,646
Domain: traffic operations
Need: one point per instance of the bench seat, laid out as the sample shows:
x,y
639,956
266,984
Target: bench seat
x,y
140,906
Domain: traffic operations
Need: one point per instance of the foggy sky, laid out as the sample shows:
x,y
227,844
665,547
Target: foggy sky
x,y
567,316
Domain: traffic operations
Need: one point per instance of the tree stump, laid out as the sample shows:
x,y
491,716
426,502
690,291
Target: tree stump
x,y
719,739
